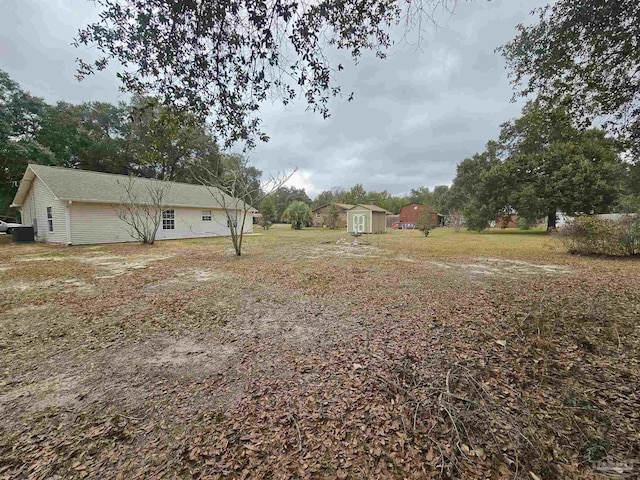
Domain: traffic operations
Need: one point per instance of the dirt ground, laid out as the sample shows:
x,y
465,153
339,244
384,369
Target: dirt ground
x,y
460,355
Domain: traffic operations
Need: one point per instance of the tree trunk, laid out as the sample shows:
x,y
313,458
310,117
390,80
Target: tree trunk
x,y
551,221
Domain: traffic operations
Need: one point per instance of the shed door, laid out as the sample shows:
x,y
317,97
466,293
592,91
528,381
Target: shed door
x,y
358,223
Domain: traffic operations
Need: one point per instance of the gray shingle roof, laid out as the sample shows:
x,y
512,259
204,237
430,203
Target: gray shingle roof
x,y
97,187
344,206
373,208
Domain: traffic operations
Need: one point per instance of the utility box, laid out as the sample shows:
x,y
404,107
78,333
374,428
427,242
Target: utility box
x,y
23,234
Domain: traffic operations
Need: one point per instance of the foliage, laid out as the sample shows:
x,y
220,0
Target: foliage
x,y
333,216
594,236
141,209
357,194
424,222
19,124
267,209
223,59
478,190
525,223
585,52
542,164
298,214
169,144
553,166
285,196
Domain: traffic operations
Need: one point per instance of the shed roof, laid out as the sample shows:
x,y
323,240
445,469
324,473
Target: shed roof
x,y
97,187
373,208
344,206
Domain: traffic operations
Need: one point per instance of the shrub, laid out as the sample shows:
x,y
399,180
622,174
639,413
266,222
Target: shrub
x,y
591,235
525,224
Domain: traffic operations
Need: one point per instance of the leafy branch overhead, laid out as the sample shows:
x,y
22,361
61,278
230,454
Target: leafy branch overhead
x,y
223,58
585,52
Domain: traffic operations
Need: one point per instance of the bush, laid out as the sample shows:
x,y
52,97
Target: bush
x,y
525,224
591,235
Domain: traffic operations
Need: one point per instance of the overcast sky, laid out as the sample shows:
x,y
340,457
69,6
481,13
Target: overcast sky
x,y
414,115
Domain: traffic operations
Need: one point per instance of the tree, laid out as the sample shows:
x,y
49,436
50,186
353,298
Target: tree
x,y
223,59
333,216
268,211
421,195
554,166
335,195
89,136
232,189
142,207
298,213
20,122
284,196
440,198
357,194
478,190
585,52
169,143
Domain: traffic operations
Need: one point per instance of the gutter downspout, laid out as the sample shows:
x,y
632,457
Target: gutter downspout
x,y
68,221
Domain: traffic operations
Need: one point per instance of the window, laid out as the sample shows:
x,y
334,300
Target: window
x,y
168,219
50,219
318,215
206,215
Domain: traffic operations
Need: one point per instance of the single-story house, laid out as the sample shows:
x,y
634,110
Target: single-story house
x,y
411,213
320,215
366,219
75,207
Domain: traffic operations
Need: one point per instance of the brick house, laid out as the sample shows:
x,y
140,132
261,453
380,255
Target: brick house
x,y
320,215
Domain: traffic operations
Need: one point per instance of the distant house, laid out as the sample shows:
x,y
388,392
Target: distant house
x,y
411,212
74,207
320,215
366,219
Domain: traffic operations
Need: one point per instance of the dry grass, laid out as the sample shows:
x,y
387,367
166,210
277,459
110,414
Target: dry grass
x,y
462,355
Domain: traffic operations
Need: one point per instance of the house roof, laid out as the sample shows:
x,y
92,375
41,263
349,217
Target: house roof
x,y
344,206
373,208
70,184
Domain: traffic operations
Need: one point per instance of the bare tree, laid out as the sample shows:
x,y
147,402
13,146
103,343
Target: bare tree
x,y
236,191
141,207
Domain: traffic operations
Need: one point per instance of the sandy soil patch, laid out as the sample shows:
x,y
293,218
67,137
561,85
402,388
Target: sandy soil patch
x,y
343,250
496,267
70,284
188,279
114,265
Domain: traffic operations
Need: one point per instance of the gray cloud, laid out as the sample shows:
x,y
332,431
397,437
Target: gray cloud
x,y
414,116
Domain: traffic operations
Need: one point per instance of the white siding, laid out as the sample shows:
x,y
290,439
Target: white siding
x,y
99,223
34,212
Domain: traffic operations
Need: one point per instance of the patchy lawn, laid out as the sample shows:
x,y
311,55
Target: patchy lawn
x,y
461,355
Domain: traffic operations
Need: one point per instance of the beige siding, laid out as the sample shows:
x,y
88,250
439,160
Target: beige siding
x,y
189,224
34,212
99,223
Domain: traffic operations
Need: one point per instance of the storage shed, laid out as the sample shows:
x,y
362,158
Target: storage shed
x,y
366,219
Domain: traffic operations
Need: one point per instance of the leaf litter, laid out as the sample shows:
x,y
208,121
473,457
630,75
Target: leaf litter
x,y
326,367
